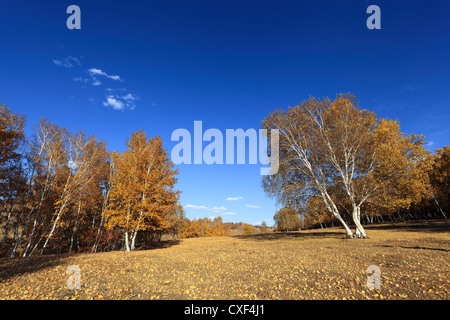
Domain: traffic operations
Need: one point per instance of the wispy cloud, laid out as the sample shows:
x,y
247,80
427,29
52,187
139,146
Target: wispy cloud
x,y
81,79
68,62
217,209
253,206
97,72
116,98
193,206
130,100
234,198
120,102
228,213
411,88
96,82
130,97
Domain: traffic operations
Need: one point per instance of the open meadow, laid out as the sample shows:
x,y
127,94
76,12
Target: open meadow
x,y
413,258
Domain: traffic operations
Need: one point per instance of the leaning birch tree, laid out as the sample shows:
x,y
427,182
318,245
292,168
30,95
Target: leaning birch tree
x,y
339,152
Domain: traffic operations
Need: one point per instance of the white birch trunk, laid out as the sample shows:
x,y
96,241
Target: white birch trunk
x,y
133,240
127,242
359,231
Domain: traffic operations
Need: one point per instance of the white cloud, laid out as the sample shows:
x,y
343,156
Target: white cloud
x,y
61,63
216,209
120,102
96,82
234,199
97,72
130,100
81,79
68,62
121,89
130,97
118,98
253,206
76,60
229,213
193,206
112,102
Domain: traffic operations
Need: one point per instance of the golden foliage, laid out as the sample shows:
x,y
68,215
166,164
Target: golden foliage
x,y
347,157
142,185
204,227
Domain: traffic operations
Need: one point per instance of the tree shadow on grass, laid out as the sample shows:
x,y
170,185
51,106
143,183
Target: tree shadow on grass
x,y
432,226
415,247
299,235
159,245
10,268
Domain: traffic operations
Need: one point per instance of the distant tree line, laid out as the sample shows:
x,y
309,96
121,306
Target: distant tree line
x,y
203,227
340,164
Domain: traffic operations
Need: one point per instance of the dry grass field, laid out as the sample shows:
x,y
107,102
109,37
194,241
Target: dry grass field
x,y
413,258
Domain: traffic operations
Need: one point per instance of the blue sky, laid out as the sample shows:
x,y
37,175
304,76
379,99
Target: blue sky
x,y
161,65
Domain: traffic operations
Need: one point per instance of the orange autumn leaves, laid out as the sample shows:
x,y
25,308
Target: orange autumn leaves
x,y
339,161
142,193
62,191
11,134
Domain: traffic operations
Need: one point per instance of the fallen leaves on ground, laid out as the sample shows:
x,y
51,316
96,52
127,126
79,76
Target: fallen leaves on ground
x,y
315,264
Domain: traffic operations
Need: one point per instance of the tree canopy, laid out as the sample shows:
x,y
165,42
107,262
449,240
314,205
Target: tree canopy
x,y
346,156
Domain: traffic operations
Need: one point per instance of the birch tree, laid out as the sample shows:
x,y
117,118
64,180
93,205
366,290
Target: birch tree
x,y
90,172
287,219
12,182
400,177
304,169
142,188
440,180
47,158
344,155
